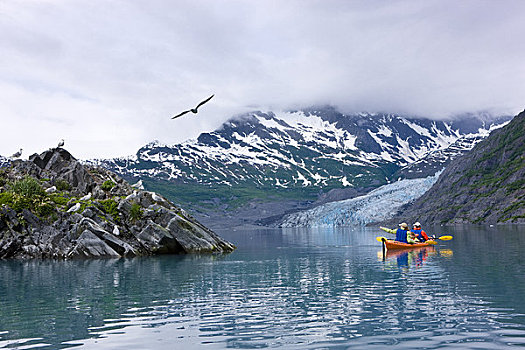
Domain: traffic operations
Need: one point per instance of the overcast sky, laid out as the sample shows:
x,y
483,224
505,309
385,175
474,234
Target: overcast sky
x,y
107,75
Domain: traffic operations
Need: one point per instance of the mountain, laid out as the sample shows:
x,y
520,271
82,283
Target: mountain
x,y
299,156
485,185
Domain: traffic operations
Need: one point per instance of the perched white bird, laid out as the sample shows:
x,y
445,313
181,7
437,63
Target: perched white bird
x,y
74,208
61,143
156,197
51,189
138,185
116,231
193,110
86,197
17,154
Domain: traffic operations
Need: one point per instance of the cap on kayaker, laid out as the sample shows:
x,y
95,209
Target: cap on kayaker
x,y
404,226
417,224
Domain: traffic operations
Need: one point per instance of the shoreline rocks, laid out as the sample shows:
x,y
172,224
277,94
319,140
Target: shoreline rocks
x,y
107,217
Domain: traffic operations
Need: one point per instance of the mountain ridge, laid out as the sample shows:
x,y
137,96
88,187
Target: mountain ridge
x,y
299,156
487,183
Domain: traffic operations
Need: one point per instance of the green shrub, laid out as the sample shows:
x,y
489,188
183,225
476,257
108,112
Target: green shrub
x,y
58,199
3,177
16,201
44,209
62,185
107,185
109,206
27,193
28,187
6,198
136,212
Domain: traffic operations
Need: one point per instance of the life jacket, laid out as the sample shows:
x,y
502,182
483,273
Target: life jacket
x,y
421,235
401,235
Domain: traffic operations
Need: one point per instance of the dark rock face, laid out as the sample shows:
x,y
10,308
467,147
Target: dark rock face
x,y
97,214
486,185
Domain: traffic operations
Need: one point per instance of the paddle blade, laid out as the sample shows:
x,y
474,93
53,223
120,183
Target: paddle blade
x,y
380,239
446,238
431,242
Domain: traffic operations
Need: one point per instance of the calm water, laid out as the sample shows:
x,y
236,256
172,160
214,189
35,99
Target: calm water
x,y
294,289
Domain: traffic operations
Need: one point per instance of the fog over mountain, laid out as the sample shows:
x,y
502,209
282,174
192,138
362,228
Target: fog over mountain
x,y
107,77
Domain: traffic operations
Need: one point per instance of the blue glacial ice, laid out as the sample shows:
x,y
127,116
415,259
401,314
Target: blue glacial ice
x,y
380,204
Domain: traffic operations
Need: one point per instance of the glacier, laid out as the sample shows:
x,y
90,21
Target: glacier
x,y
377,205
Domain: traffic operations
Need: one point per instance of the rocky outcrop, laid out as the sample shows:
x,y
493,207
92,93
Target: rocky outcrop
x,y
486,185
53,206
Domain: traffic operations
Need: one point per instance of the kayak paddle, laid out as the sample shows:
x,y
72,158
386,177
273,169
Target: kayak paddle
x,y
445,238
380,239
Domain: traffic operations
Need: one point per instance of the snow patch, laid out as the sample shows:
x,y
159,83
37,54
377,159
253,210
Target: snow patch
x,y
345,182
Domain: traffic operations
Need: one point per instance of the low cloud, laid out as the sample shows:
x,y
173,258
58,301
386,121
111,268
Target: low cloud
x,y
107,76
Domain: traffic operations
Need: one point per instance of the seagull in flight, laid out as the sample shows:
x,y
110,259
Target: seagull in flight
x,y
194,110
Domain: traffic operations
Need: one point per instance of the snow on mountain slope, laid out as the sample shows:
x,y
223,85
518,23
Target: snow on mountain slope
x,y
380,204
438,159
318,147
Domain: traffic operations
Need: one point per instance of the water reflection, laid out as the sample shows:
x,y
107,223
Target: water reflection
x,y
281,288
411,258
405,258
61,300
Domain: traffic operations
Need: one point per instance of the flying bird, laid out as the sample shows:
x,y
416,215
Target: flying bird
x,y
61,143
194,110
17,154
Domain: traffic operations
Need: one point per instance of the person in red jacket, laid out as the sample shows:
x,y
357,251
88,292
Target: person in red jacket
x,y
420,234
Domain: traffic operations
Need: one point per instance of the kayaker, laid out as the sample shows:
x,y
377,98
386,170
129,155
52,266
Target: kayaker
x,y
420,234
402,233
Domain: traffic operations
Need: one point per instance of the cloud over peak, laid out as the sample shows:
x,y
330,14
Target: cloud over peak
x,y
108,75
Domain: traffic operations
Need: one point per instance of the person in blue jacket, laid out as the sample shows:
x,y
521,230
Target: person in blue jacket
x,y
402,233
